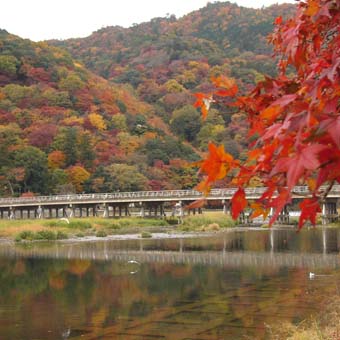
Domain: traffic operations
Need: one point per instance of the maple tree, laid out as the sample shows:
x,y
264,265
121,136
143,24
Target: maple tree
x,y
294,118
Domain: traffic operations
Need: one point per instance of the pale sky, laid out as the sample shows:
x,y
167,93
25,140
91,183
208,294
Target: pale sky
x,y
62,19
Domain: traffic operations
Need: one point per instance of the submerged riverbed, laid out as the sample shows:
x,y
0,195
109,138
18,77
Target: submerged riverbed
x,y
225,286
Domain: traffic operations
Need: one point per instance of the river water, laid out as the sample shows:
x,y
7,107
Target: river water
x,y
224,286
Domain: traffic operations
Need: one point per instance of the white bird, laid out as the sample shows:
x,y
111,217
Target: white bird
x,y
66,333
311,275
65,219
133,261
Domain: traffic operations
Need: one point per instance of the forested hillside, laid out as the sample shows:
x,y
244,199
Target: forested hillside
x,y
166,60
64,128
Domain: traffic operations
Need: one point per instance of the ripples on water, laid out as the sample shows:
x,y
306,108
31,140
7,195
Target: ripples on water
x,y
224,287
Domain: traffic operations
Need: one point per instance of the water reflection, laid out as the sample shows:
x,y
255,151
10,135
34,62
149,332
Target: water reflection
x,y
212,288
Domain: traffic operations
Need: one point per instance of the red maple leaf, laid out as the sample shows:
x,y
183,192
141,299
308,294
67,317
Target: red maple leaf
x,y
309,208
238,203
279,202
305,158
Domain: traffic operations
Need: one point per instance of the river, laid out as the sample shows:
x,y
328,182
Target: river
x,y
225,286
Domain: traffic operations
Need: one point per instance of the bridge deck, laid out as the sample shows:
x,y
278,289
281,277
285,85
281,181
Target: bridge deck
x,y
146,196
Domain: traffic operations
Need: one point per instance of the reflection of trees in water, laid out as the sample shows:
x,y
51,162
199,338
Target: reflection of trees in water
x,y
81,292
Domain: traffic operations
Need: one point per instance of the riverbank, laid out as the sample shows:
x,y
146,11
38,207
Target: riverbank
x,y
325,326
84,228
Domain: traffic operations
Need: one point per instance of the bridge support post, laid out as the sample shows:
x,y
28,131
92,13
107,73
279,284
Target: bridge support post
x,y
272,240
11,213
324,240
225,206
39,212
106,211
329,212
284,216
142,210
72,210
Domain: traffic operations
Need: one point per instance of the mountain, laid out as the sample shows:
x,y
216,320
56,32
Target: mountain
x,y
63,128
166,60
161,48
114,111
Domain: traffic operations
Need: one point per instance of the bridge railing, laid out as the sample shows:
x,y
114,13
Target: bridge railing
x,y
135,196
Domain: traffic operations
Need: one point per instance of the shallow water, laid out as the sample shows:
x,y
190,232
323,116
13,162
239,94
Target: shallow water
x,y
227,286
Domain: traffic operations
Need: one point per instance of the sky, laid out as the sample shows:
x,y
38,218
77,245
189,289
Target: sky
x,y
63,19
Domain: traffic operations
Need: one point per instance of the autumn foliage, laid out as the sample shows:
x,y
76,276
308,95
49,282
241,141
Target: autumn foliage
x,y
294,121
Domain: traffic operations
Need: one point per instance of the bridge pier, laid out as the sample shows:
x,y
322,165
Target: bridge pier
x,y
283,217
226,206
329,211
142,210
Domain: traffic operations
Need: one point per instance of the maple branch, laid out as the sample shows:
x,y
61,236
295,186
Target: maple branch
x,y
325,194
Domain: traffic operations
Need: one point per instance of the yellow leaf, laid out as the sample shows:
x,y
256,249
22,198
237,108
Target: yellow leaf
x,y
312,8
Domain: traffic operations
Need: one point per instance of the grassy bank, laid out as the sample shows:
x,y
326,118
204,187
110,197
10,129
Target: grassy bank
x,y
209,221
54,229
326,326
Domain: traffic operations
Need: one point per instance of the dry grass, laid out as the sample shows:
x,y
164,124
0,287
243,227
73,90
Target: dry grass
x,y
325,326
11,228
89,226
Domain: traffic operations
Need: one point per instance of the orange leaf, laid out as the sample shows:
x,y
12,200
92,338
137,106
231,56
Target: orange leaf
x,y
223,81
271,112
258,210
197,204
218,163
312,8
203,186
238,203
228,92
254,154
311,182
203,101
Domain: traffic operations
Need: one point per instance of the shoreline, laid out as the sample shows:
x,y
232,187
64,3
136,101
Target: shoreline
x,y
160,233
97,228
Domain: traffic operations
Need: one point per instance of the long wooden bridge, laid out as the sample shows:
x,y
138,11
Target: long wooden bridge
x,y
143,203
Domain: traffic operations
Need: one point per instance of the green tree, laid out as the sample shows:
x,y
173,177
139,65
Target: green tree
x,y
124,177
8,65
186,122
57,178
34,161
119,122
70,146
86,153
71,83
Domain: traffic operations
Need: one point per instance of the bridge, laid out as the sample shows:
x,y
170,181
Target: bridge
x,y
141,203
